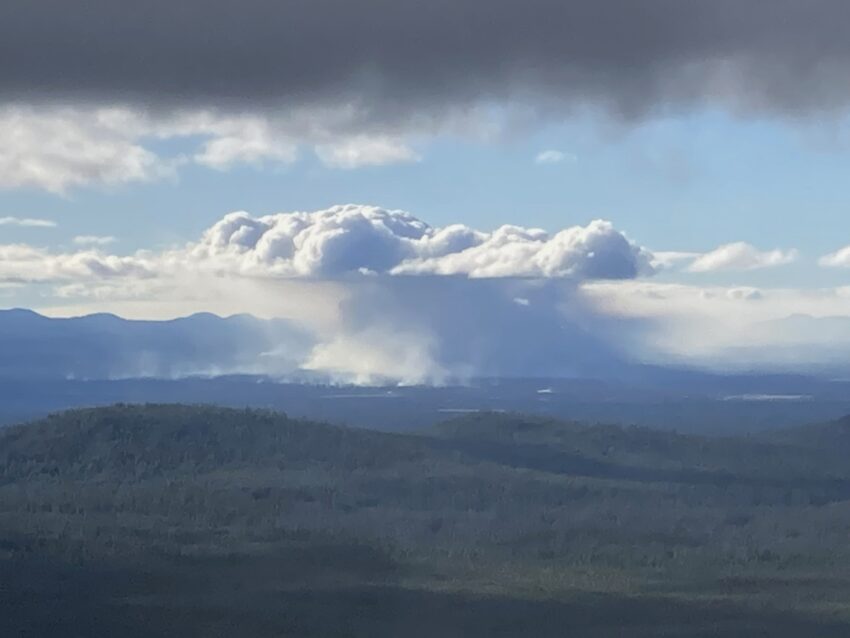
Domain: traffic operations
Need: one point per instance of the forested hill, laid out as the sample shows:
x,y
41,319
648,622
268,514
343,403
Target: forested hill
x,y
139,442
168,519
833,437
791,456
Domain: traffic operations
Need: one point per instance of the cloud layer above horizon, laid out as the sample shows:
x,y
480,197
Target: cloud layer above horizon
x,y
382,295
89,85
397,57
365,239
107,94
378,294
348,240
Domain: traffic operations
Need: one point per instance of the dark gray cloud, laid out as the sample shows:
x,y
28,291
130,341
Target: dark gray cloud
x,y
399,57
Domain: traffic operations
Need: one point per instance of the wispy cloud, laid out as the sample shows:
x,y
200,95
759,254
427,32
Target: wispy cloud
x,y
668,259
553,156
93,240
27,222
741,256
366,151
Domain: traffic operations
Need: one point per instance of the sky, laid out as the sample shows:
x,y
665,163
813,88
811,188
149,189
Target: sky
x,y
664,177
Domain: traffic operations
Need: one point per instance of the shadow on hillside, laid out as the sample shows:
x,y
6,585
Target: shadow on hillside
x,y
258,598
548,459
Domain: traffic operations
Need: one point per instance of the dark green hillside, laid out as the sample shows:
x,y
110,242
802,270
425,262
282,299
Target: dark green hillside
x,y
139,443
643,454
824,437
196,521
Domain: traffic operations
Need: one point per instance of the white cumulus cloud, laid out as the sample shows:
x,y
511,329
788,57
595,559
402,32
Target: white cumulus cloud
x,y
245,140
60,148
28,264
350,239
838,259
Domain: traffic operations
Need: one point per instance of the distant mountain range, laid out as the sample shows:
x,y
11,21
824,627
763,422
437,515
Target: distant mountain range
x,y
49,364
104,346
107,347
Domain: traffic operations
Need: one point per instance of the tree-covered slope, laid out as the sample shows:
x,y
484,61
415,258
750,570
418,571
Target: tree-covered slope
x,y
206,518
